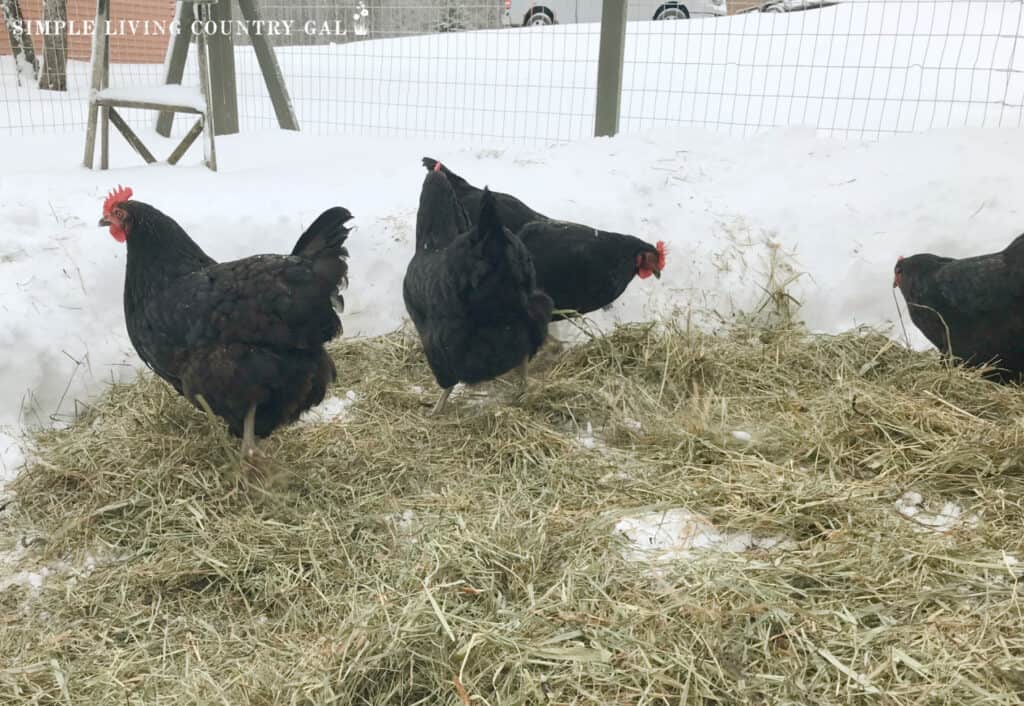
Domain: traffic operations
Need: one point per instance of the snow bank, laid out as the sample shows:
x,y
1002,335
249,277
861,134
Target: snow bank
x,y
840,213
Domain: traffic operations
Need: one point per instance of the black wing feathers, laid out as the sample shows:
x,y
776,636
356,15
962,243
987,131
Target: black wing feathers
x,y
472,297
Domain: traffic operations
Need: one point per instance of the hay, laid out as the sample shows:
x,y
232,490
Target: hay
x,y
400,559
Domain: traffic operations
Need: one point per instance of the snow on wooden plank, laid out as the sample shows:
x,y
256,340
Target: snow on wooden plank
x,y
170,95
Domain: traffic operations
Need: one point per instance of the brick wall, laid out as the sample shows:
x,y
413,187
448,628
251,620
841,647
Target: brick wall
x,y
137,48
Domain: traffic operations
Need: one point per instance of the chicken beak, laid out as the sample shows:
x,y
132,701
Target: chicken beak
x,y
103,223
657,273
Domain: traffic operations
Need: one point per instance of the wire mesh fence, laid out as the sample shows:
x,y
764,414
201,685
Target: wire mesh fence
x,y
471,69
860,68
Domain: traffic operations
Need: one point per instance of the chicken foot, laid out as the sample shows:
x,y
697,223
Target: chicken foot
x,y
441,402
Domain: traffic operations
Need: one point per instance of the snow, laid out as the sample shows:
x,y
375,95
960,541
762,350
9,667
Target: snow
x,y
856,69
732,208
586,437
331,409
948,517
20,566
840,212
167,94
11,456
679,534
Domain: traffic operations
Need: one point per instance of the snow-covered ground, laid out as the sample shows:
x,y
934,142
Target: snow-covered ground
x,y
858,69
838,212
730,207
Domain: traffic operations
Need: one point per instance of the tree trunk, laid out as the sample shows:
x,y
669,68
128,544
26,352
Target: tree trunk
x,y
55,46
21,41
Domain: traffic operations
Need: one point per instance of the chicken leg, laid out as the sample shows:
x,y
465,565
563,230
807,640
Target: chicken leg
x,y
249,436
524,379
441,402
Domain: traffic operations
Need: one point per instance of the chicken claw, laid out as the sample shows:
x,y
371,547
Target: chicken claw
x,y
441,402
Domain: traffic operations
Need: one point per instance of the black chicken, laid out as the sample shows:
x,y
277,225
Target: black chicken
x,y
471,292
514,213
247,336
584,269
969,307
581,268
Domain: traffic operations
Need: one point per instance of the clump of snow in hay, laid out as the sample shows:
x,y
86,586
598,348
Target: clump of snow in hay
x,y
679,534
946,518
331,409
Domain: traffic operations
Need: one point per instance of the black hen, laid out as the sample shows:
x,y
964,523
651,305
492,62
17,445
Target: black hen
x,y
582,268
970,308
514,213
248,336
471,292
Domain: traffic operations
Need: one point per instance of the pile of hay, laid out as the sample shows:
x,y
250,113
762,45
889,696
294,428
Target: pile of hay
x,y
395,558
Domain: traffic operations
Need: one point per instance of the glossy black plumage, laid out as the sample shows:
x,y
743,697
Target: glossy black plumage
x,y
240,333
970,307
470,290
514,214
580,267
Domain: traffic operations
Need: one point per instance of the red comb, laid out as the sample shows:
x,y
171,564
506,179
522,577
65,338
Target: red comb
x,y
121,193
899,259
662,252
437,166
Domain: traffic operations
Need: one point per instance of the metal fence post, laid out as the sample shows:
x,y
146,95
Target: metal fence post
x,y
609,67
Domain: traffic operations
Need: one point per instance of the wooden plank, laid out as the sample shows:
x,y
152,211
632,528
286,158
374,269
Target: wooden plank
x,y
105,112
105,74
221,47
210,126
147,105
186,142
130,135
174,64
104,138
610,54
98,60
271,70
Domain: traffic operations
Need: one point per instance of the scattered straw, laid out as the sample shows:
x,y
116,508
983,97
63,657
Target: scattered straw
x,y
401,559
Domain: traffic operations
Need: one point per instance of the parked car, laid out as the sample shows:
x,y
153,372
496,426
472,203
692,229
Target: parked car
x,y
789,5
546,12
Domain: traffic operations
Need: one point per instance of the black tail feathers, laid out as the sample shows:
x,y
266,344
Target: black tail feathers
x,y
326,235
489,222
324,243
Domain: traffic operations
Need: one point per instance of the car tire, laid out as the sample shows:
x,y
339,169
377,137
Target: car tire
x,y
538,17
672,12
